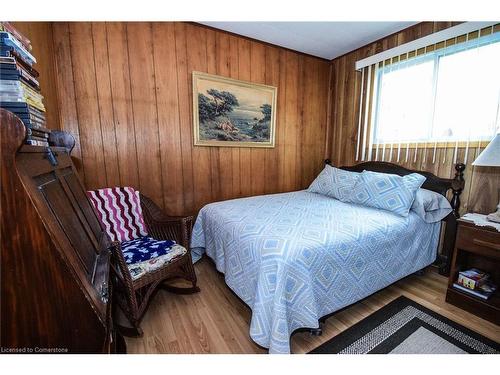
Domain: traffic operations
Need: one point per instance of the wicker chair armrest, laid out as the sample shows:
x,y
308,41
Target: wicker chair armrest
x,y
178,230
166,220
165,227
154,213
120,264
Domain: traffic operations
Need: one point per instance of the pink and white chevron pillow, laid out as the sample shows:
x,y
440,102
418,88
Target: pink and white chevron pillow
x,y
119,210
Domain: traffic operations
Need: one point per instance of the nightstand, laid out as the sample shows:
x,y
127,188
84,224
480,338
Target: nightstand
x,y
476,247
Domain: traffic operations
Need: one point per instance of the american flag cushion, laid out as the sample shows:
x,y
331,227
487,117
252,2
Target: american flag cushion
x,y
120,213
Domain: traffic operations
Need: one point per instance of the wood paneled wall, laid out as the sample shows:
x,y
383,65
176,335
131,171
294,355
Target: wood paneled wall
x,y
482,188
125,92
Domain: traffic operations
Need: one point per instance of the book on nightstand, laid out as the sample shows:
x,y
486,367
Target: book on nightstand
x,y
484,291
472,278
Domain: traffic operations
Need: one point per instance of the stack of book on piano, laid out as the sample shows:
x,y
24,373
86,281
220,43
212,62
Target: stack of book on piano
x,y
19,86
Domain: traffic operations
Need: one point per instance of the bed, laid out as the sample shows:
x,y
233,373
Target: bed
x,y
296,257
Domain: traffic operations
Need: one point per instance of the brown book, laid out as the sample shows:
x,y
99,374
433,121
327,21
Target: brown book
x,y
37,133
21,62
16,34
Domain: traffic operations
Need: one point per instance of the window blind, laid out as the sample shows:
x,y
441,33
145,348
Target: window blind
x,y
394,145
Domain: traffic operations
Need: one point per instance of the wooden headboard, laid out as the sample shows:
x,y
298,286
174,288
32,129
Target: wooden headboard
x,y
434,183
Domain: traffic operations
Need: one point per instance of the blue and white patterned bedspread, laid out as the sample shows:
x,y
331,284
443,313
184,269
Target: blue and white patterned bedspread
x,y
295,257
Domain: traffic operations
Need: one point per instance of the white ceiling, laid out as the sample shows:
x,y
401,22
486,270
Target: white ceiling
x,y
323,39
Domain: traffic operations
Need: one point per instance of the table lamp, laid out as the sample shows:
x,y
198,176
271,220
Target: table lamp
x,y
490,157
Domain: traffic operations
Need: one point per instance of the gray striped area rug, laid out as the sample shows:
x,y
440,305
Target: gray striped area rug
x,y
406,327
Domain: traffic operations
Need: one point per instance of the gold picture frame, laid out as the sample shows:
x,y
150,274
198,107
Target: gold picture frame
x,y
232,113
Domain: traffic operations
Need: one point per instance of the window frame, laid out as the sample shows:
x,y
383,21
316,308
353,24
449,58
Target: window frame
x,y
434,56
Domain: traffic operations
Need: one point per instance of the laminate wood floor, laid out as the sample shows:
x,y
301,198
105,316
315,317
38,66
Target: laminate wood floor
x,y
217,321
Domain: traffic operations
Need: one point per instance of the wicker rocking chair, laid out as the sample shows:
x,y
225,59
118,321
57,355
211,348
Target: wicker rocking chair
x,y
133,295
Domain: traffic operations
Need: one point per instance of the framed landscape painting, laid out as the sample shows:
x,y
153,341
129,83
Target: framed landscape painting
x,y
229,112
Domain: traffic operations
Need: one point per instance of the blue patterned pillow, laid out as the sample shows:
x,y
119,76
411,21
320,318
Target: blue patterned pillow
x,y
388,192
335,183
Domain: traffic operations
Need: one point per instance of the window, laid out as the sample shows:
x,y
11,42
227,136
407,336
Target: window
x,y
449,95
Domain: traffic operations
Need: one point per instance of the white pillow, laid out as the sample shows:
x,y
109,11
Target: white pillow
x,y
335,183
431,206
